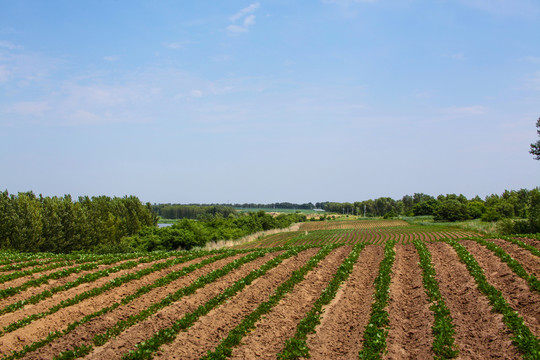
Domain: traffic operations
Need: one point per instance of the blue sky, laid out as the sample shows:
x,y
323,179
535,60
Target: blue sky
x,y
264,101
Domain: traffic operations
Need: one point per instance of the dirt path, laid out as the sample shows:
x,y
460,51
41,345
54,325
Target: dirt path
x,y
271,332
514,289
126,341
340,334
530,262
211,329
39,329
410,318
480,333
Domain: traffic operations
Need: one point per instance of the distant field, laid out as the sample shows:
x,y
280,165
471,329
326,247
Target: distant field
x,y
286,211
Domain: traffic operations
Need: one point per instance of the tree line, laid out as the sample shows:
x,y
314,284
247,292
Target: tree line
x,y
191,211
60,224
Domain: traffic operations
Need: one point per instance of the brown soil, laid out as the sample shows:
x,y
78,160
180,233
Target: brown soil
x,y
47,303
126,341
40,328
530,262
85,333
514,289
339,336
211,329
23,279
51,284
531,242
480,333
410,318
271,332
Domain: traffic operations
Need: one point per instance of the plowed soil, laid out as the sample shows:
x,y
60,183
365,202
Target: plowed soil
x,y
271,332
167,316
530,262
410,318
514,289
480,333
532,242
340,334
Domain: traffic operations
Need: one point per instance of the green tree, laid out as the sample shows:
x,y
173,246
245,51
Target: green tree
x,y
535,147
451,210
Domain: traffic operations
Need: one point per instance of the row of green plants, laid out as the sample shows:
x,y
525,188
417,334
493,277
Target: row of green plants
x,y
200,282
113,283
235,336
521,244
88,278
443,328
526,342
296,347
219,254
512,263
377,329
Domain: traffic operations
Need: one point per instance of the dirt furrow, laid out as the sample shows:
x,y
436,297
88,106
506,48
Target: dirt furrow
x,y
410,318
531,242
270,333
46,304
85,333
514,289
339,336
480,333
51,284
209,331
23,279
39,329
530,262
126,341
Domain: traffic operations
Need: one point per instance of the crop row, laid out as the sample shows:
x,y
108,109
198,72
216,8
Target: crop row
x,y
375,332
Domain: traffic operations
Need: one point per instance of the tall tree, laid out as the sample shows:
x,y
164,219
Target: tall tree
x,y
535,147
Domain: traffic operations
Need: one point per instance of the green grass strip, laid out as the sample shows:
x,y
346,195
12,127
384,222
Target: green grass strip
x,y
296,347
512,263
377,329
141,291
522,338
443,328
224,349
200,282
116,282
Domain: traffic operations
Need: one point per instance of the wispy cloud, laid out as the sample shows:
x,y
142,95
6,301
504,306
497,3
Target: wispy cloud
x,y
532,59
466,110
175,45
111,58
247,16
247,10
347,2
29,108
9,45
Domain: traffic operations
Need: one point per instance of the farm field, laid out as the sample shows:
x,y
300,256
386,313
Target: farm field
x,y
399,294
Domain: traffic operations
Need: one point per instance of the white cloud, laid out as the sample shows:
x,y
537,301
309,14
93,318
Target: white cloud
x,y
347,2
458,56
4,73
247,10
248,20
111,58
532,59
196,93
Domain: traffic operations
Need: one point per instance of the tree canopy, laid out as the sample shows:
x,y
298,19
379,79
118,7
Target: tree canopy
x,y
535,147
